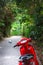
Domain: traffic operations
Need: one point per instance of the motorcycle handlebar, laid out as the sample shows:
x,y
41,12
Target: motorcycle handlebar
x,y
14,46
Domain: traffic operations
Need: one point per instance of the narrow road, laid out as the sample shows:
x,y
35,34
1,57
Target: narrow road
x,y
8,54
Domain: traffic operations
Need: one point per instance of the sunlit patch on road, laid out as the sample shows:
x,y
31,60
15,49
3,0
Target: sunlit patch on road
x,y
0,47
7,57
10,57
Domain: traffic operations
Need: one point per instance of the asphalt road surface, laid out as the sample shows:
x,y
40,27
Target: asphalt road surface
x,y
8,54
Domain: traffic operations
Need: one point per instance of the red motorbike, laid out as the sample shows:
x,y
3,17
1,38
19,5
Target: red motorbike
x,y
27,52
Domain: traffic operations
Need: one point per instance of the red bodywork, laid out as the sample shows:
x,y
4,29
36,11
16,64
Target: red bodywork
x,y
27,49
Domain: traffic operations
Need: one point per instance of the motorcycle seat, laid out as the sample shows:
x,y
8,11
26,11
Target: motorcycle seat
x,y
26,57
